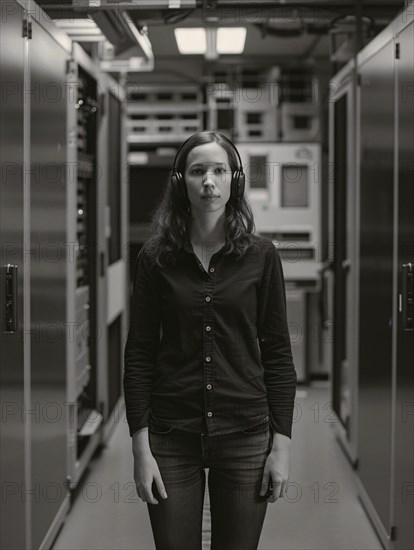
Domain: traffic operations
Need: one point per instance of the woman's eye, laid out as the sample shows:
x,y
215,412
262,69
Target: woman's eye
x,y
197,171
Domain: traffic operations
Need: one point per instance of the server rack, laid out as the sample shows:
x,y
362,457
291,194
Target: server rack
x,y
33,222
98,276
47,298
403,335
376,172
84,418
55,273
158,116
383,252
380,436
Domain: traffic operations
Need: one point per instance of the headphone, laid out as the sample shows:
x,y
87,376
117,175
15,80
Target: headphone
x,y
237,179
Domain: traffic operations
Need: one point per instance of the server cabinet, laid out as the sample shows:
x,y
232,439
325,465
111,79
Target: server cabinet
x,y
84,421
55,386
97,278
14,511
35,321
403,421
386,388
376,279
48,257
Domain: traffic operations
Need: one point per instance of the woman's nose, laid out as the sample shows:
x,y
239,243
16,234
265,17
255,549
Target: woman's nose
x,y
208,180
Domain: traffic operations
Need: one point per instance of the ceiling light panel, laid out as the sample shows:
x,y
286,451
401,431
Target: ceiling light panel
x,y
231,39
191,40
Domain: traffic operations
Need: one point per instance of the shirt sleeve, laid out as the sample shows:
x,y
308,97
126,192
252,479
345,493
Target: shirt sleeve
x,y
142,344
274,342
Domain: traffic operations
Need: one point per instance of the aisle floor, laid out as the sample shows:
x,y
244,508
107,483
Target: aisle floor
x,y
322,510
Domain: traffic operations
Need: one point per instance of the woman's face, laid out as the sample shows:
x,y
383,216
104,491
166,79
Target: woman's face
x,y
208,174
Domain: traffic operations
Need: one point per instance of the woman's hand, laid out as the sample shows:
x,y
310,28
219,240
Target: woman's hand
x,y
276,468
145,472
146,468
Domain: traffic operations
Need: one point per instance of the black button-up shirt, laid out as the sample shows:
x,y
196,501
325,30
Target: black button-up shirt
x,y
224,361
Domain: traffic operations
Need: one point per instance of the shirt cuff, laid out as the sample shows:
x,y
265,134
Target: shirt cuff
x,y
135,425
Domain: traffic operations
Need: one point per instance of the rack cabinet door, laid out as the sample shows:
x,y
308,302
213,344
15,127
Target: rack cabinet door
x,y
376,279
404,412
13,508
48,259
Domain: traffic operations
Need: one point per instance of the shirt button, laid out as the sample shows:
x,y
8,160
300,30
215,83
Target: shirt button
x,y
209,413
208,298
208,359
209,386
212,270
208,328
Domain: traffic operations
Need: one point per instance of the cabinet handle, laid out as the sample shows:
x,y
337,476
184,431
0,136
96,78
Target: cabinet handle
x,y
407,296
11,299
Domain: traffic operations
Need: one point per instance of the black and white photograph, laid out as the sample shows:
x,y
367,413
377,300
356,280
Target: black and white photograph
x,y
207,274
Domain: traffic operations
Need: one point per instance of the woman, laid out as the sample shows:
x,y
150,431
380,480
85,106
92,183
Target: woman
x,y
218,390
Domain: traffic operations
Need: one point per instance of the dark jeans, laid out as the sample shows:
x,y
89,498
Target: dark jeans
x,y
235,462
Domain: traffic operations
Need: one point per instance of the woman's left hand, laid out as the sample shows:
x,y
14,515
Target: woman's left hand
x,y
277,470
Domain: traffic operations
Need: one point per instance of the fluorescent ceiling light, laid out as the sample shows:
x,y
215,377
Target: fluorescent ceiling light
x,y
81,30
231,39
191,40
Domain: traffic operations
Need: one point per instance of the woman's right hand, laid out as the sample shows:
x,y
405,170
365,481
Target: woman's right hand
x,y
146,468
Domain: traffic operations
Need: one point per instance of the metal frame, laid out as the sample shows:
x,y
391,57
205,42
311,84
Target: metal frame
x,y
71,201
345,83
112,303
26,290
75,467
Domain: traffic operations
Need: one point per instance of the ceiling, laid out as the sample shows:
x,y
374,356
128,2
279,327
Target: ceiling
x,y
285,33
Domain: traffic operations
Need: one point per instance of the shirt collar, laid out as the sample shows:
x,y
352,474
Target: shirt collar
x,y
188,247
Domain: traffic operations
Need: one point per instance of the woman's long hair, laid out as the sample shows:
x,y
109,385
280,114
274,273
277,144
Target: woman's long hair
x,y
170,220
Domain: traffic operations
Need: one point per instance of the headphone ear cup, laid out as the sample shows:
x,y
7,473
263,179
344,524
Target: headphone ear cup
x,y
177,181
174,180
237,184
234,184
242,181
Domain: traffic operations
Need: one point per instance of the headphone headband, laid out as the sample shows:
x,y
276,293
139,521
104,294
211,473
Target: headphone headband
x,y
221,135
